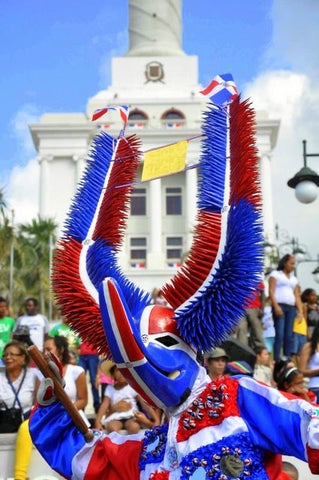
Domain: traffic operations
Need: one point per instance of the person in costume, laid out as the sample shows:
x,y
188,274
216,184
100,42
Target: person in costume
x,y
228,426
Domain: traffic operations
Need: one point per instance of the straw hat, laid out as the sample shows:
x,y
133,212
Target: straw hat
x,y
106,366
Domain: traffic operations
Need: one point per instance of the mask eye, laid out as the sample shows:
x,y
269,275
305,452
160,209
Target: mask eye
x,y
167,340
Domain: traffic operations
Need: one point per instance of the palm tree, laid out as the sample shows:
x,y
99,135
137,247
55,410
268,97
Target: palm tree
x,y
5,244
3,204
36,239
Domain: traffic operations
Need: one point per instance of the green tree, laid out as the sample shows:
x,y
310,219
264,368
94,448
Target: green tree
x,y
5,246
3,204
35,241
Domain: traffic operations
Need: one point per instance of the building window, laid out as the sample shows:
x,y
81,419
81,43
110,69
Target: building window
x,y
138,201
137,119
173,201
173,119
174,248
138,250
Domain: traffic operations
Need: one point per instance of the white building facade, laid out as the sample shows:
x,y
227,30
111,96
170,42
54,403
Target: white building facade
x,y
160,84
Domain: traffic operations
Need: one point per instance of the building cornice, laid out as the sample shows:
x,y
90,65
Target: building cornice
x,y
60,130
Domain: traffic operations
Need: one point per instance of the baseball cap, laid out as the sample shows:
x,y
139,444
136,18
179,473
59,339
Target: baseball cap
x,y
217,353
239,367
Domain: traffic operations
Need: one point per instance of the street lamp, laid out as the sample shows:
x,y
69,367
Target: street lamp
x,y
284,244
315,273
306,181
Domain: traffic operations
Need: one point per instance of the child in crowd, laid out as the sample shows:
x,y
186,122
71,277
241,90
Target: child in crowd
x,y
103,379
119,405
279,366
268,325
148,416
311,309
262,370
291,380
299,336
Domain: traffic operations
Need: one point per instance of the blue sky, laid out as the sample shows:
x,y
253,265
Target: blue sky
x,y
56,54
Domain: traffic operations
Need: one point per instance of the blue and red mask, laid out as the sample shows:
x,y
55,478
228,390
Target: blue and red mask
x,y
148,349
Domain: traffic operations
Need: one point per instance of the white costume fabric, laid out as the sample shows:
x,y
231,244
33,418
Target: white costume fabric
x,y
224,424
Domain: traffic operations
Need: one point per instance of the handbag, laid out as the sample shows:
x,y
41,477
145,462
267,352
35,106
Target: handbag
x,y
11,418
300,326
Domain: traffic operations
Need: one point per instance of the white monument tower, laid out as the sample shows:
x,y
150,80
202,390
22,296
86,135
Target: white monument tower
x,y
160,84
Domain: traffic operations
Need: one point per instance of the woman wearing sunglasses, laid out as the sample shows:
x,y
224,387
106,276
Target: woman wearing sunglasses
x,y
18,387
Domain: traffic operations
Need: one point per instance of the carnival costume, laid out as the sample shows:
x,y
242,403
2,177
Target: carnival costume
x,y
231,427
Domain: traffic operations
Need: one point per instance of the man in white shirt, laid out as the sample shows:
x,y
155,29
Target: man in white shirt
x,y
36,322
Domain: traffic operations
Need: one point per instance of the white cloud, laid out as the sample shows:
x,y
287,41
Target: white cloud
x,y
22,189
23,195
291,97
26,115
295,35
288,90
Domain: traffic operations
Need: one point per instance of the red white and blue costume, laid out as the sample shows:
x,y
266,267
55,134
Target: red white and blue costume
x,y
226,427
227,417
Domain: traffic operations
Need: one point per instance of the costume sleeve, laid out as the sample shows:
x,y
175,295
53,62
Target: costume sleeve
x,y
63,447
280,422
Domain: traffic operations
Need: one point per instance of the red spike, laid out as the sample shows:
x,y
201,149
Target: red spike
x,y
77,306
81,311
244,176
199,262
113,213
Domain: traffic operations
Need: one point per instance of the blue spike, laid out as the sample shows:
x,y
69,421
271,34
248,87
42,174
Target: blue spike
x,y
209,320
86,199
213,161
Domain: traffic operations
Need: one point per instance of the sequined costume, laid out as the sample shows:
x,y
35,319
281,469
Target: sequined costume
x,y
225,427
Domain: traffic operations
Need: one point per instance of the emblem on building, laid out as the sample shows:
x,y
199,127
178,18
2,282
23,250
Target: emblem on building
x,y
154,72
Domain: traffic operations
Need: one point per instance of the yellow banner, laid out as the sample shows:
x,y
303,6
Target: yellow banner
x,y
164,161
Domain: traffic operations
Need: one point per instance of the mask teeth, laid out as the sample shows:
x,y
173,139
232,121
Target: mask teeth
x,y
174,374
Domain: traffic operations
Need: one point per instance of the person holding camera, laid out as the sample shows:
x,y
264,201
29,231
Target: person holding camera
x,y
32,324
18,387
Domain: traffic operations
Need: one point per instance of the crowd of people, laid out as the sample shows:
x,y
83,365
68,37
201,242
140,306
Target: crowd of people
x,y
283,360
116,404
286,323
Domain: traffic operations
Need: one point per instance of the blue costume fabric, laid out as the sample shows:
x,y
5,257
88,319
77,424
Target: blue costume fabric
x,y
218,429
225,427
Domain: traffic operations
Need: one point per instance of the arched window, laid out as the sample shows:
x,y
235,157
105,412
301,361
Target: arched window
x,y
173,119
137,119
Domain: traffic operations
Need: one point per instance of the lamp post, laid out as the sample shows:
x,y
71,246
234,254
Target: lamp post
x,y
306,181
283,245
315,272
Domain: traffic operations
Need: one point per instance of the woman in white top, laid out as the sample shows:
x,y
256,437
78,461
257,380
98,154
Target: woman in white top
x,y
18,387
284,295
17,378
74,375
309,362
